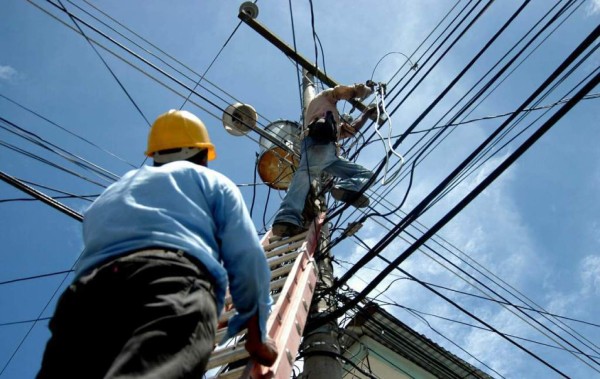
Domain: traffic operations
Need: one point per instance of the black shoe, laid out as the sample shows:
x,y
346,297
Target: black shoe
x,y
286,229
353,198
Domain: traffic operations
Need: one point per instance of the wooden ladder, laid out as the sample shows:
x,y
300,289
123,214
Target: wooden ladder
x,y
293,281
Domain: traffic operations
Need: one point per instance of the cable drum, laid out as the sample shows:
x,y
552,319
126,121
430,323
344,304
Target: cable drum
x,y
275,165
238,119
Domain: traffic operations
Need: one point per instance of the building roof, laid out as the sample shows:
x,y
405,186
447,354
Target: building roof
x,y
387,330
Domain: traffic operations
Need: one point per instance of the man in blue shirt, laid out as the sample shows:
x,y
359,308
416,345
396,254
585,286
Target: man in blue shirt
x,y
161,246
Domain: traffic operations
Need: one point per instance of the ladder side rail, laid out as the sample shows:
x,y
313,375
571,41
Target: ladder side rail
x,y
288,318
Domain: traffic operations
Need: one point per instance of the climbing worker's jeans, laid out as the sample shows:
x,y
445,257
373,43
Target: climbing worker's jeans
x,y
149,314
315,159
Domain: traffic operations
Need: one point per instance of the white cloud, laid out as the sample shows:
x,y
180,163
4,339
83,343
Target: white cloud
x,y
590,275
7,73
593,7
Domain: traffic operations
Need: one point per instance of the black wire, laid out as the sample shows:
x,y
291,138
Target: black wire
x,y
25,321
563,10
103,61
155,47
41,142
65,130
21,199
391,303
501,287
35,277
488,85
322,53
155,55
265,209
436,62
432,105
211,63
254,186
295,51
547,125
49,163
577,351
417,210
314,35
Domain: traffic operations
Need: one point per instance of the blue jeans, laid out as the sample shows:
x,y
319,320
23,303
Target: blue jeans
x,y
317,158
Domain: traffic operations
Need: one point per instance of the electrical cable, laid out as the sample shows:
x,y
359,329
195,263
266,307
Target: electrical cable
x,y
103,61
211,63
159,50
442,94
49,163
498,295
161,71
35,277
359,309
41,142
412,310
555,17
547,125
21,199
25,321
417,210
41,196
515,296
297,65
66,130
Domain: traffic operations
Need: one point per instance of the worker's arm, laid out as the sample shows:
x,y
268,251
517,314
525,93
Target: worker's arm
x,y
356,91
349,130
248,273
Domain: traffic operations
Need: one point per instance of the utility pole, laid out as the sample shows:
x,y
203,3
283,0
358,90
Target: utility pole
x,y
320,347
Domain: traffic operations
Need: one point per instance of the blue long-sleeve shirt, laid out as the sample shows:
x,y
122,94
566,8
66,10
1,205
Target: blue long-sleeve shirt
x,y
186,207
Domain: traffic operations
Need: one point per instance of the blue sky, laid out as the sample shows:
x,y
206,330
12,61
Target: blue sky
x,y
536,227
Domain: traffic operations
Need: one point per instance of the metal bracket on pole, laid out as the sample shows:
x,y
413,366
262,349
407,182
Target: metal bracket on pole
x,y
290,52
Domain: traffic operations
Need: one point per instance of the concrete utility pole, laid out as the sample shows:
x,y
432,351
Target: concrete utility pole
x,y
320,346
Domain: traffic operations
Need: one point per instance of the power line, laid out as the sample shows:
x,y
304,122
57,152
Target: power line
x,y
41,196
417,210
102,59
65,130
501,168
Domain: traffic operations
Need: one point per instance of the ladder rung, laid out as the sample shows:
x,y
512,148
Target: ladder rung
x,y
275,285
286,258
282,242
281,271
221,332
278,284
227,355
274,273
290,247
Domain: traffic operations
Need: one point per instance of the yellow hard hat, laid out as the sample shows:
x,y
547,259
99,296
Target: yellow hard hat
x,y
179,129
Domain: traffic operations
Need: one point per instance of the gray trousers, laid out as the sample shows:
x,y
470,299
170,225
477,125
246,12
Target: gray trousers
x,y
149,314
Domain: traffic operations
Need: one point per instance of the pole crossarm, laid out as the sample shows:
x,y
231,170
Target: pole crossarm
x,y
295,56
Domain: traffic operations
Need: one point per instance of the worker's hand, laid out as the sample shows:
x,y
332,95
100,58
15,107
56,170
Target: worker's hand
x,y
372,109
347,130
362,91
263,353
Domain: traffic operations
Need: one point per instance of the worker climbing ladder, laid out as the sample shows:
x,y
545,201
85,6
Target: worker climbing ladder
x,y
293,281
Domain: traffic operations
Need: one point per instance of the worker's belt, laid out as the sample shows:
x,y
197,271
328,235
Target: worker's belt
x,y
324,129
161,252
